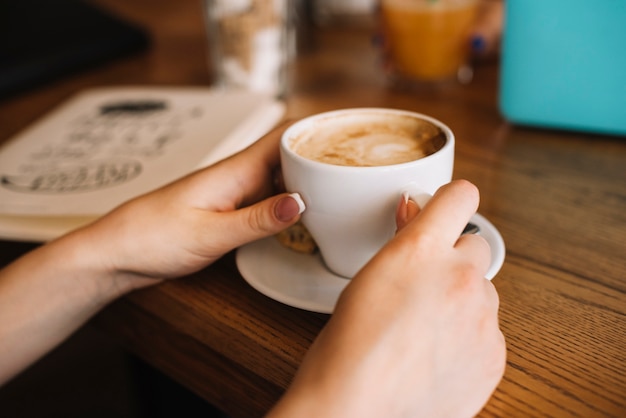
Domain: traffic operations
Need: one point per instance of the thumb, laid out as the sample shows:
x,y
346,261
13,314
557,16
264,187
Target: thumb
x,y
265,218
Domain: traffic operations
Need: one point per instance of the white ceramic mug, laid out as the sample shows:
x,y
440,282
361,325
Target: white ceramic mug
x,y
350,210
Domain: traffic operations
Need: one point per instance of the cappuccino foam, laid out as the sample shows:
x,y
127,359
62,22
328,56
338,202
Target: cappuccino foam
x,y
368,140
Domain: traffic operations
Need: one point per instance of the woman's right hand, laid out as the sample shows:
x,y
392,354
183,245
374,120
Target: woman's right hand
x,y
416,332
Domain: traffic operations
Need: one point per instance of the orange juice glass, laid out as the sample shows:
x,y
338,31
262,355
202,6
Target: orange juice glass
x,y
427,40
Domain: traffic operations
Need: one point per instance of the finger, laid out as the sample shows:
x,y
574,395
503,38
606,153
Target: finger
x,y
246,176
475,248
492,296
406,211
447,213
260,220
257,166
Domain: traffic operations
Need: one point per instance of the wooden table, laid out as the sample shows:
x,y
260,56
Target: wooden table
x,y
558,198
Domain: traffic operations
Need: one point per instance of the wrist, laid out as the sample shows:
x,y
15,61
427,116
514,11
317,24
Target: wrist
x,y
314,397
109,251
91,256
84,261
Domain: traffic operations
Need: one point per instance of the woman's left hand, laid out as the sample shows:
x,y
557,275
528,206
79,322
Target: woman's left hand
x,y
187,225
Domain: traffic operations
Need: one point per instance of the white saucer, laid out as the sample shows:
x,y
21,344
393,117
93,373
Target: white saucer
x,y
302,280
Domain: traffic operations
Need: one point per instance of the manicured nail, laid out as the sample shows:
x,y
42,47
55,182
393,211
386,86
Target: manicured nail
x,y
289,206
401,211
299,201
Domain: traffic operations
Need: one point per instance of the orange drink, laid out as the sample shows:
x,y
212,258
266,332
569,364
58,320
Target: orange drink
x,y
428,39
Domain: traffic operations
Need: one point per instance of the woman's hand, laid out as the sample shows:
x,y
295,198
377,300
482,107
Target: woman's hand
x,y
416,332
190,223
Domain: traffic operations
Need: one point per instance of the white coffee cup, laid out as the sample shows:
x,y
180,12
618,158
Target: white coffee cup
x,y
350,210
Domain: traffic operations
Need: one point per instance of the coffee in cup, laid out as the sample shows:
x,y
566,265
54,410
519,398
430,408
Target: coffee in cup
x,y
352,166
374,140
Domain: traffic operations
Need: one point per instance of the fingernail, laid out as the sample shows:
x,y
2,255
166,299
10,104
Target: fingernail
x,y
289,206
401,211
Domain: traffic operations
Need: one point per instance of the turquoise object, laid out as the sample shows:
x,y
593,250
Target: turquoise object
x,y
564,64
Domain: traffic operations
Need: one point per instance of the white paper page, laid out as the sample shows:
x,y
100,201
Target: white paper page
x,y
77,162
106,146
